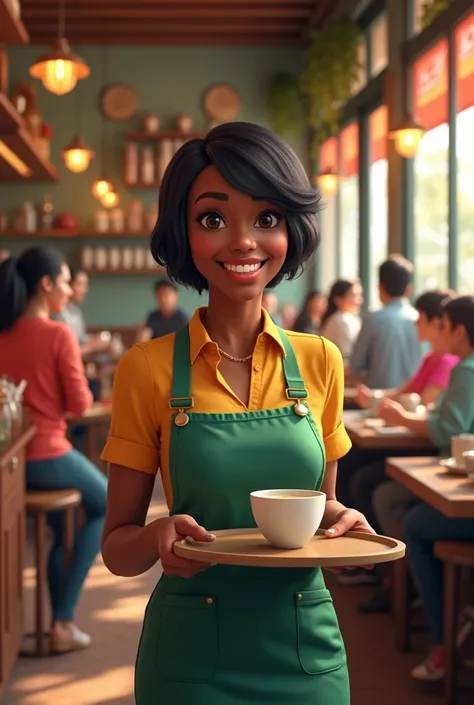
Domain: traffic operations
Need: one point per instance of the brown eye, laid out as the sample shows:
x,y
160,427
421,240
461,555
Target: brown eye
x,y
267,220
211,221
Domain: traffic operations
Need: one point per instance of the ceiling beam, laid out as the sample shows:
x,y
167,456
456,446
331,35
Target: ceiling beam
x,y
135,27
100,12
151,39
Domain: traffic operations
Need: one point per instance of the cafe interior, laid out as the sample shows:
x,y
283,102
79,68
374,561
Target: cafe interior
x,y
376,97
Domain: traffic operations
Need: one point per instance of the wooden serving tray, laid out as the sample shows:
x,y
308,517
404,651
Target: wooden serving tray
x,y
247,547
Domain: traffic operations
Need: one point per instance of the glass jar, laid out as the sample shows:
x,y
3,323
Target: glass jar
x,y
5,419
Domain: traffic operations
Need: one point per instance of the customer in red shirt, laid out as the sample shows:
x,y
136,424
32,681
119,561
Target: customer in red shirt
x,y
46,354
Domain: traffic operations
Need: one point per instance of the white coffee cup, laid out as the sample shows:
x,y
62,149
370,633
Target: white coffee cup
x,y
375,398
459,445
288,518
410,402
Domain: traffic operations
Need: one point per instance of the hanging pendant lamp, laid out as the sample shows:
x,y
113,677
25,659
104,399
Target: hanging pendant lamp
x,y
60,68
77,155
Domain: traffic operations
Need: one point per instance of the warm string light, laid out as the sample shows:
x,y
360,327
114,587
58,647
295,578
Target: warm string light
x,y
77,155
100,187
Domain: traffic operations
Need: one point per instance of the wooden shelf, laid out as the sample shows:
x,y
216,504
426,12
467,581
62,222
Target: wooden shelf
x,y
71,233
158,136
140,186
124,272
12,31
10,118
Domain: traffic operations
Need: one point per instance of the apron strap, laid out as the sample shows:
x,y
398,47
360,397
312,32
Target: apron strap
x,y
181,391
295,384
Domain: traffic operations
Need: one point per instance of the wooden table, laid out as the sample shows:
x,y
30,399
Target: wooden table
x,y
452,495
97,416
366,437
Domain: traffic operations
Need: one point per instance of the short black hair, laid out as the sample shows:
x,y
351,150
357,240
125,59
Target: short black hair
x,y
165,284
76,269
395,275
431,303
460,312
253,160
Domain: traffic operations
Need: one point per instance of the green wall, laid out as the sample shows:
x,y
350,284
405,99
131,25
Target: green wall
x,y
168,80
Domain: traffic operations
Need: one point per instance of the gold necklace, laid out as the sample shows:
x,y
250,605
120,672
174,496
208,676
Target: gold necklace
x,y
234,359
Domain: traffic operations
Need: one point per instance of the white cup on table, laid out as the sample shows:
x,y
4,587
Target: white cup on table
x,y
375,399
410,402
459,445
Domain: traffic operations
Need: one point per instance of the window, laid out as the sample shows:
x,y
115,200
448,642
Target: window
x,y
378,198
378,45
361,80
328,162
349,203
431,237
465,154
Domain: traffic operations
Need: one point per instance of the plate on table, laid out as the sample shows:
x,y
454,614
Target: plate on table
x,y
450,465
393,431
248,547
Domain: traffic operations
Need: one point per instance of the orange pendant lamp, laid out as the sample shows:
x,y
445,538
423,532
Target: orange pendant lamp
x,y
77,155
60,68
407,136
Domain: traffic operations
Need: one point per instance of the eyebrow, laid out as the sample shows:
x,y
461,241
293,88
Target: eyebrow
x,y
213,194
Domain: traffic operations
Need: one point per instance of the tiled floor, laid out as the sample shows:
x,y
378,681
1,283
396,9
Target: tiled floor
x,y
111,611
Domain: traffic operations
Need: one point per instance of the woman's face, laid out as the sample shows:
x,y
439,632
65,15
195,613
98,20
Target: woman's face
x,y
57,291
238,244
316,306
352,301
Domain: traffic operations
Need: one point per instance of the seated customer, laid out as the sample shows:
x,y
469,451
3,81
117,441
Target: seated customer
x,y
424,525
72,314
310,316
388,349
432,376
46,354
341,321
167,317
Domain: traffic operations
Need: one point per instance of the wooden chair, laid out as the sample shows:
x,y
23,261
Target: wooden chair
x,y
38,504
458,559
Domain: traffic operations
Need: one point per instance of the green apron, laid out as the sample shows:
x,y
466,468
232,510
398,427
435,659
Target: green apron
x,y
233,635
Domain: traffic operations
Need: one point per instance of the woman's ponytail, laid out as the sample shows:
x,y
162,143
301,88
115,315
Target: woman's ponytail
x,y
13,293
19,279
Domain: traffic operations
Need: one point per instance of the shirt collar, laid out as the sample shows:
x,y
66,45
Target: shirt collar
x,y
199,336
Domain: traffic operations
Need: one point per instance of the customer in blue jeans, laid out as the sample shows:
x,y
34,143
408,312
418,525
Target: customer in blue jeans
x,y
46,354
453,414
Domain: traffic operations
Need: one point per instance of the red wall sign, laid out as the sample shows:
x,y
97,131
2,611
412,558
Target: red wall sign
x,y
328,160
350,150
465,63
378,131
430,86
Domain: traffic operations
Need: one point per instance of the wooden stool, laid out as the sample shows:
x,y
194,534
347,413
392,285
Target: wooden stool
x,y
458,557
38,504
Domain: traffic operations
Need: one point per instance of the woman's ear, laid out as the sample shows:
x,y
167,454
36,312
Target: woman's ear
x,y
45,284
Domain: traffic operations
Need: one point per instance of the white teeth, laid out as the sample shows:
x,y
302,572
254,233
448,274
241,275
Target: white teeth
x,y
243,268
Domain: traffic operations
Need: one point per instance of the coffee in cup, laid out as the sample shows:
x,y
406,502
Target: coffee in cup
x,y
459,445
288,518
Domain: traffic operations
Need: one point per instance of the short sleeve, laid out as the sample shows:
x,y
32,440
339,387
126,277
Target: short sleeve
x,y
336,440
134,430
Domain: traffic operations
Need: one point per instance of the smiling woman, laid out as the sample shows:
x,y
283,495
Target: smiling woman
x,y
229,405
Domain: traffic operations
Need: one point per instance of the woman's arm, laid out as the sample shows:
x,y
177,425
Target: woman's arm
x,y
130,546
76,395
430,394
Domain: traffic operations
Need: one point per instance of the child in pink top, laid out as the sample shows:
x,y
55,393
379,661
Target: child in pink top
x,y
46,354
433,374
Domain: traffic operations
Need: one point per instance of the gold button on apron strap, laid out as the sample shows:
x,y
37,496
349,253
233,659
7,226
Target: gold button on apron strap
x,y
300,408
299,596
181,419
210,600
181,404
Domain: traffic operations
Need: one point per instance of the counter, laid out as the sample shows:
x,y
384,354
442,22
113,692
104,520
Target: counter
x,y
12,547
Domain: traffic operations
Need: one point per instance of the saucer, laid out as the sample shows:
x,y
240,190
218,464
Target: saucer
x,y
451,465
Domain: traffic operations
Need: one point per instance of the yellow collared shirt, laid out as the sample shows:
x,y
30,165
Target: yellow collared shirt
x,y
141,418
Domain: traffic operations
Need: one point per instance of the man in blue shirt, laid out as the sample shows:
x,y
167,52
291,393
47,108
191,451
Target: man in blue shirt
x,y
388,349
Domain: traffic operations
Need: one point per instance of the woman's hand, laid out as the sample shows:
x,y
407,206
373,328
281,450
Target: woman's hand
x,y
349,520
362,397
173,529
392,413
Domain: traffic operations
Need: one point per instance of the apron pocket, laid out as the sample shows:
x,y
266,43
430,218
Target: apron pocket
x,y
187,638
320,645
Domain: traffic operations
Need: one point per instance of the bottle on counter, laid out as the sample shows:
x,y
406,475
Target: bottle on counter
x,y
47,214
5,418
101,221
117,220
29,217
147,166
131,163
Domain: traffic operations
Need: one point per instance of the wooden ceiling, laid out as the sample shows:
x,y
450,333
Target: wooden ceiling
x,y
178,22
